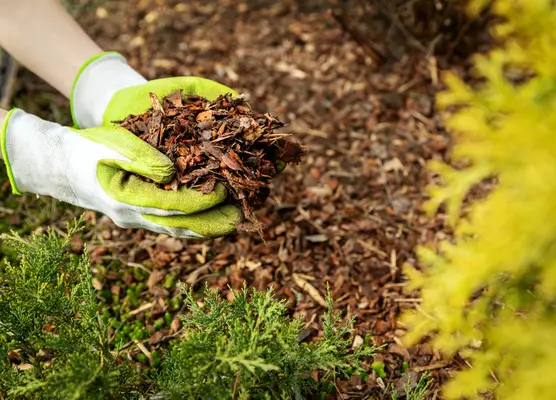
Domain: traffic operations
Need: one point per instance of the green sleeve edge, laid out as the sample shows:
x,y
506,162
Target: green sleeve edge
x,y
15,190
85,65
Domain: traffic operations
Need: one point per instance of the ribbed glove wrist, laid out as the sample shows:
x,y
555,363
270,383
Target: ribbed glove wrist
x,y
95,85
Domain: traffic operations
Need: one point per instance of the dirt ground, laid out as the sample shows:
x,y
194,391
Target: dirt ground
x,y
356,84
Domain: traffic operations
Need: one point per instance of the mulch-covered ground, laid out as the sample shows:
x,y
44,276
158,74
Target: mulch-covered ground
x,y
356,85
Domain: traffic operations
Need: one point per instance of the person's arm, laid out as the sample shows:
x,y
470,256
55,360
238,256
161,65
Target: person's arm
x,y
44,37
96,167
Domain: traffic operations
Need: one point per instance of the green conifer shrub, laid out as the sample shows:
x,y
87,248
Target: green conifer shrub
x,y
54,345
49,314
490,291
243,349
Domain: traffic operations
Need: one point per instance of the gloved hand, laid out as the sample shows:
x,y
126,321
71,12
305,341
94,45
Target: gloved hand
x,y
107,89
90,168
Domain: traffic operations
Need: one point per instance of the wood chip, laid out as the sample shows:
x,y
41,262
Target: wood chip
x,y
155,277
309,289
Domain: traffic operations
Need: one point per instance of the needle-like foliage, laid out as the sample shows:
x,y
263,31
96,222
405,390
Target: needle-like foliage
x,y
49,325
54,345
491,291
247,348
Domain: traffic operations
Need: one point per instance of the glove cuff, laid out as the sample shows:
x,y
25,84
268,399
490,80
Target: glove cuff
x,y
35,152
95,84
4,147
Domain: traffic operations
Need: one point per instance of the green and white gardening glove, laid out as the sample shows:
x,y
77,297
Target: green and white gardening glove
x,y
96,169
108,89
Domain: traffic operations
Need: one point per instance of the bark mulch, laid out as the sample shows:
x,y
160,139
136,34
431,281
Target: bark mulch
x,y
355,83
221,141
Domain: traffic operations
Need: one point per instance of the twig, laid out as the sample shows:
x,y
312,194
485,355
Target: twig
x,y
140,266
309,289
368,46
4,210
144,350
399,24
408,300
466,27
431,366
8,82
144,307
235,385
372,248
423,312
193,277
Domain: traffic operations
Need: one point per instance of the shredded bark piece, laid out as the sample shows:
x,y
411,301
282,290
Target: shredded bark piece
x,y
217,141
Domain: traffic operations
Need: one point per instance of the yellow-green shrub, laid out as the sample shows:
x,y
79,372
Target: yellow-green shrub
x,y
506,243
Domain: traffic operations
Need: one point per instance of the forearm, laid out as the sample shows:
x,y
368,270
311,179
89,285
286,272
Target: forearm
x,y
43,37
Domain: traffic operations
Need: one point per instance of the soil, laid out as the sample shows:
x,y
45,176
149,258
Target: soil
x,y
356,82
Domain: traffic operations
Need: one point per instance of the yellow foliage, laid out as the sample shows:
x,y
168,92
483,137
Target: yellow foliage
x,y
506,244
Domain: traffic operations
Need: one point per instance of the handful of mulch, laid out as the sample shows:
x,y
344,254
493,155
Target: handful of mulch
x,y
217,141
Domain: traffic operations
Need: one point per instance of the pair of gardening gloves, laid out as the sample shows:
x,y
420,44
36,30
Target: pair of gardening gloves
x,y
96,164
